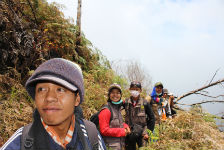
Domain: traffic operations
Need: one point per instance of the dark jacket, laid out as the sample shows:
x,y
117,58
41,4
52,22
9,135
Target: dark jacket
x,y
140,114
42,140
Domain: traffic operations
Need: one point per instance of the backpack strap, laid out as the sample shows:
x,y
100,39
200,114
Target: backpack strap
x,y
145,102
81,136
26,141
126,105
108,106
92,134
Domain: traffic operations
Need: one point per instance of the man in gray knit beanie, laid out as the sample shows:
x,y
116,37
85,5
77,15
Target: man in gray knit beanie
x,y
60,71
56,87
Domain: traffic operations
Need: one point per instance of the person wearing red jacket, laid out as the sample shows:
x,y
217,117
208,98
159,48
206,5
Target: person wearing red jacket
x,y
113,130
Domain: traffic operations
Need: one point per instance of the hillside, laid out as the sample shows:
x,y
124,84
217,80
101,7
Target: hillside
x,y
34,31
190,130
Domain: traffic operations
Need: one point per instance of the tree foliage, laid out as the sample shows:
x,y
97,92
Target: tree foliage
x,y
33,31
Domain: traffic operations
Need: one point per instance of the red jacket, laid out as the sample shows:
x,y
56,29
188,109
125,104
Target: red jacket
x,y
104,124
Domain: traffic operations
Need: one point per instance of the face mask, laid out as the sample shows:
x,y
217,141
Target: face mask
x,y
134,93
119,102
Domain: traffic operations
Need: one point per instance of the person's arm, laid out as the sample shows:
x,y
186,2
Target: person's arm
x,y
104,125
14,141
148,98
151,117
125,125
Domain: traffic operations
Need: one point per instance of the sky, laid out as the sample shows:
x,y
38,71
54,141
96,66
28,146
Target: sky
x,y
178,42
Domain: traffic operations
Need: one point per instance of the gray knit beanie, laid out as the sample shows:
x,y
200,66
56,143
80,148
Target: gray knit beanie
x,y
58,70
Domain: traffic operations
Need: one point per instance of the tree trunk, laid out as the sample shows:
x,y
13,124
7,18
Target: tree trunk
x,y
78,23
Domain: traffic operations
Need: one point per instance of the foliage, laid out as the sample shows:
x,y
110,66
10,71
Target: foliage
x,y
33,31
188,130
16,107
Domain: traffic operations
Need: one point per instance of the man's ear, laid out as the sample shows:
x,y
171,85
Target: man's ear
x,y
77,99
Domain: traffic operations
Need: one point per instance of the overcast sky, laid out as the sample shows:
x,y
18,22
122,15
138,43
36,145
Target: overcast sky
x,y
179,42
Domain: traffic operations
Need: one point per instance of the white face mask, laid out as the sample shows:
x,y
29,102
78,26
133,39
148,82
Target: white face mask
x,y
134,93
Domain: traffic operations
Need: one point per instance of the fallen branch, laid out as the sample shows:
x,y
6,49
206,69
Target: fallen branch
x,y
178,108
209,95
214,76
210,101
200,89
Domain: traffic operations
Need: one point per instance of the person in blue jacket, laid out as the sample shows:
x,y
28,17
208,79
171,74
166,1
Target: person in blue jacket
x,y
57,89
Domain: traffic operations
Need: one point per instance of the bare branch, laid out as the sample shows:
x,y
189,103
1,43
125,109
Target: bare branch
x,y
210,101
205,92
209,95
34,14
221,85
133,71
214,76
178,108
200,89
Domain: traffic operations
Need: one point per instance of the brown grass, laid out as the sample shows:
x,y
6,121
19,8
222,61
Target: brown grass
x,y
192,130
188,131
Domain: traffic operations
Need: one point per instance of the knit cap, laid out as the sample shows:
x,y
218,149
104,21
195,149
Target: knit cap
x,y
60,71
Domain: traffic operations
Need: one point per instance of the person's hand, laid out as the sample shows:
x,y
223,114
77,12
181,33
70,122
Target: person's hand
x,y
146,136
171,97
127,131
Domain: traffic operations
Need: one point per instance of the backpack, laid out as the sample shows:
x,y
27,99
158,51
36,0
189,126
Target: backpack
x,y
95,117
27,140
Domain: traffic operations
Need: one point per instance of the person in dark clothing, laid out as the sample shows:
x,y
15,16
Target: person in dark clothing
x,y
139,116
57,88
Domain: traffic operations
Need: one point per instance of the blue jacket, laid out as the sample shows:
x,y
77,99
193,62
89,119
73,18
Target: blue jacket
x,y
14,143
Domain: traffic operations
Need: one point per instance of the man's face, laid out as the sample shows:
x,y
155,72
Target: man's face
x,y
165,95
159,89
55,103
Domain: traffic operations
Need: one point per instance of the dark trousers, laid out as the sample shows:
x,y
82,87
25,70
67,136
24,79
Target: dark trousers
x,y
130,142
173,112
